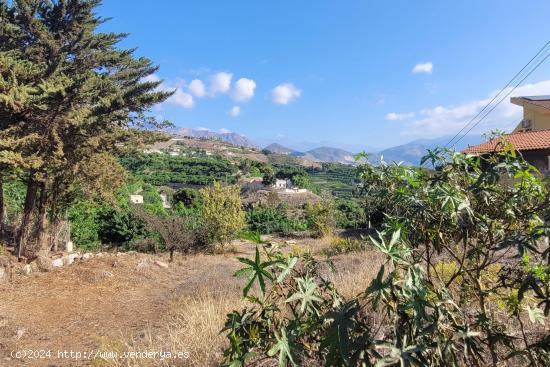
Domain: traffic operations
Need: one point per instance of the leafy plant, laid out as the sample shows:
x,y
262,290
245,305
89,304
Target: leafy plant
x,y
459,240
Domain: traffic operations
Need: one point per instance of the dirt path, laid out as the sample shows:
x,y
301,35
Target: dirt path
x,y
79,307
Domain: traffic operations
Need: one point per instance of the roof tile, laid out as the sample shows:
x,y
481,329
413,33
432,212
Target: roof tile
x,y
531,140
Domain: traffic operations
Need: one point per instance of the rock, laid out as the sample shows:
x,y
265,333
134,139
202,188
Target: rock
x,y
99,254
26,269
43,263
106,274
87,255
290,242
69,247
161,264
120,254
69,259
57,263
3,274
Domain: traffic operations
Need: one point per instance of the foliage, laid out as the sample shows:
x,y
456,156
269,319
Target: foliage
x,y
164,169
430,311
68,97
85,226
340,245
175,232
119,227
350,214
321,218
222,216
269,178
273,219
189,198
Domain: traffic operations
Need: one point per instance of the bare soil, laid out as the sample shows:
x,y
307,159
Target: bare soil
x,y
103,298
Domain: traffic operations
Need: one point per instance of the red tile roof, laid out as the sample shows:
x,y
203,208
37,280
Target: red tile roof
x,y
531,140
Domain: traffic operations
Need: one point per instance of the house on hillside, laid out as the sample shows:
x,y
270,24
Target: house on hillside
x,y
282,184
531,137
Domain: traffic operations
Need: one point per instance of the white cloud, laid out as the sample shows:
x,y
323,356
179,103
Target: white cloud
x,y
445,120
220,83
197,88
182,99
234,111
224,131
392,116
423,67
285,93
151,78
243,89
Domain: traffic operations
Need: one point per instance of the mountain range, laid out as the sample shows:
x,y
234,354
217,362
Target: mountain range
x,y
409,153
229,137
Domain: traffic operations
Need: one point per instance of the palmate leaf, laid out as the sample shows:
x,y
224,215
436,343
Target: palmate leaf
x,y
286,267
306,295
337,340
285,348
535,315
256,270
396,253
379,288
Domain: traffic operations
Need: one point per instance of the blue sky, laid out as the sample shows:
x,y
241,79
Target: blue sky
x,y
342,73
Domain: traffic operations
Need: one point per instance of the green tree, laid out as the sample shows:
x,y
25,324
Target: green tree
x,y
321,218
222,215
190,198
67,93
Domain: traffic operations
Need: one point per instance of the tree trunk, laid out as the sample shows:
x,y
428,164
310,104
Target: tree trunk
x,y
1,206
41,230
30,200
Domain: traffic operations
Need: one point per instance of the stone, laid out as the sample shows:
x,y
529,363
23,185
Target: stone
x,y
43,263
87,255
69,259
106,274
161,264
290,242
69,246
57,263
3,274
26,269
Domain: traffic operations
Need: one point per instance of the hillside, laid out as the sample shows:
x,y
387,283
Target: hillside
x,y
229,137
330,154
412,152
278,148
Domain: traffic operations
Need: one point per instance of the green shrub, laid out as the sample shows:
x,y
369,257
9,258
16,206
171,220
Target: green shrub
x,y
321,218
340,245
83,216
458,246
273,219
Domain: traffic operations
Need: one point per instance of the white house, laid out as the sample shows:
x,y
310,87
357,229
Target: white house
x,y
283,184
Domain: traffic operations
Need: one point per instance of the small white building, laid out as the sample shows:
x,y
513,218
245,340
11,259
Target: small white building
x,y
165,202
136,199
283,184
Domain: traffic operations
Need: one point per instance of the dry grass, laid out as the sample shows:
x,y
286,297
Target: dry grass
x,y
193,326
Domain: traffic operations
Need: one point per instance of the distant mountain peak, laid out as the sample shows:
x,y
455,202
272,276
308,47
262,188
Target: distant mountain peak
x,y
226,136
278,148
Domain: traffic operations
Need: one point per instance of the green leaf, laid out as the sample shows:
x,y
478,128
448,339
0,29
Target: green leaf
x,y
256,270
306,294
284,347
536,315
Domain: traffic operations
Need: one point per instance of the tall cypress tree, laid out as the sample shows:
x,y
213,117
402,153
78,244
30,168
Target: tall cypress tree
x,y
68,93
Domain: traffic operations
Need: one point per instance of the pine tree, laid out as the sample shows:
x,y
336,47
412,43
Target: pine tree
x,y
67,94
